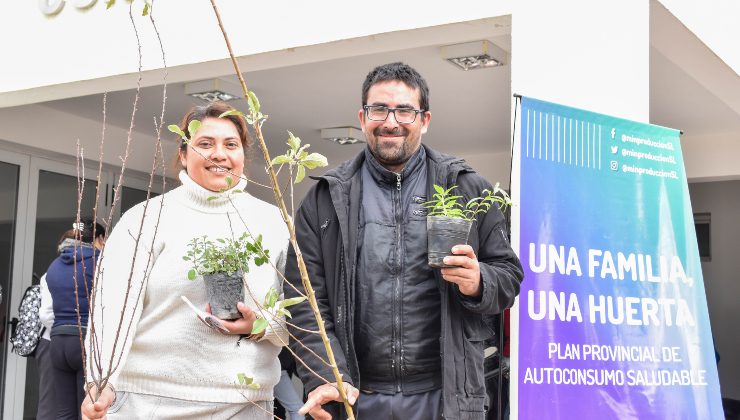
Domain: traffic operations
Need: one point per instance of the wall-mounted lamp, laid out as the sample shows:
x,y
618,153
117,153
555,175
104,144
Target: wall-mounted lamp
x,y
343,135
213,90
474,55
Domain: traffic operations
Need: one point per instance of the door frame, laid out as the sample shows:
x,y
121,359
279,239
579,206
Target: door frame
x,y
15,366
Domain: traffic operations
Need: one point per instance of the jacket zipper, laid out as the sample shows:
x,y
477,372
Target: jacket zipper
x,y
397,292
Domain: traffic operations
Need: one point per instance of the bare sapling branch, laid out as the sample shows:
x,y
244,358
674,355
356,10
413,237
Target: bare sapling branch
x,y
287,217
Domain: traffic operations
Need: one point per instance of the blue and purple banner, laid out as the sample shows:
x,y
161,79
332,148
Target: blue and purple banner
x,y
613,320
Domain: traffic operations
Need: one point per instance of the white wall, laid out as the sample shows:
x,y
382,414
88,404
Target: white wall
x,y
715,22
76,46
711,156
722,274
585,54
49,129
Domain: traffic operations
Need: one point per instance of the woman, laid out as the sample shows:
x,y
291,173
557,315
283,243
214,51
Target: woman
x,y
69,280
171,365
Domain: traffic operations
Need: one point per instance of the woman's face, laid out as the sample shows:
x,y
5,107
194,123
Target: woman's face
x,y
218,141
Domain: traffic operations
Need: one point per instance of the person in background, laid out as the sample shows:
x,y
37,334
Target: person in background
x,y
285,391
46,409
69,279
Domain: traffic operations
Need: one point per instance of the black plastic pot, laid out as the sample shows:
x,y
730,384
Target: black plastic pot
x,y
442,234
224,292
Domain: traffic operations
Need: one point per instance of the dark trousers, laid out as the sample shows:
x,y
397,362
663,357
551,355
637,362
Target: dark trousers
x,y
426,406
47,403
69,378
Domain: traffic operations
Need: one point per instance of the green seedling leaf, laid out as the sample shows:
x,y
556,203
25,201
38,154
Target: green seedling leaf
x,y
191,274
231,112
292,301
259,325
193,127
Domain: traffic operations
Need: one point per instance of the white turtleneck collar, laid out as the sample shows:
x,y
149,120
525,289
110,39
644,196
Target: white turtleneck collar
x,y
207,200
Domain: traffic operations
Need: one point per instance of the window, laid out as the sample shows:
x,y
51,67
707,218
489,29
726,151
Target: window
x,y
702,224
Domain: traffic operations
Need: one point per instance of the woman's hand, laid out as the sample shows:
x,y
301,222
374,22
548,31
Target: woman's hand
x,y
99,409
243,325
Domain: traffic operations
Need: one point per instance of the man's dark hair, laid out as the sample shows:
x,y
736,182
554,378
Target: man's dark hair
x,y
397,72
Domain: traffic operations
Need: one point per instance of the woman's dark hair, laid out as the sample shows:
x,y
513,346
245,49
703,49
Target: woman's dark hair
x,y
85,230
214,110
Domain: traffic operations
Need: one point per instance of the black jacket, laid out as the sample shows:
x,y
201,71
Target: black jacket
x,y
326,226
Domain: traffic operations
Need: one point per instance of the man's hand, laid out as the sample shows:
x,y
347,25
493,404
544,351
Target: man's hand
x,y
99,409
467,273
322,395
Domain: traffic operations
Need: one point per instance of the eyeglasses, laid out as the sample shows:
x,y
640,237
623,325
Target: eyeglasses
x,y
402,115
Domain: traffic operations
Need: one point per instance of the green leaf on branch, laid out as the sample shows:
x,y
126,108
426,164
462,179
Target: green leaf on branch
x,y
300,174
193,127
314,160
254,103
175,129
191,274
292,301
281,160
110,4
244,379
259,325
145,12
271,297
293,142
231,112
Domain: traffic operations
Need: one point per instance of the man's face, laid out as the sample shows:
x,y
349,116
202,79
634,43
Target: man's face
x,y
392,143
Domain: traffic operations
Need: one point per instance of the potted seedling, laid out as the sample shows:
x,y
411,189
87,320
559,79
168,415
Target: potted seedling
x,y
222,264
449,220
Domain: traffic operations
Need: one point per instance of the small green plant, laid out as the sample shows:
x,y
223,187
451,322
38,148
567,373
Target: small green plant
x,y
445,203
225,255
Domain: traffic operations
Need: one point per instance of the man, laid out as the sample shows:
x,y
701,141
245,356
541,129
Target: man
x,y
409,337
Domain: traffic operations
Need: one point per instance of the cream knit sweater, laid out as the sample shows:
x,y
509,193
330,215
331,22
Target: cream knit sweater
x,y
169,352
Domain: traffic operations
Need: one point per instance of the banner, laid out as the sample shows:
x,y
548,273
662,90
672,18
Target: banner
x,y
612,315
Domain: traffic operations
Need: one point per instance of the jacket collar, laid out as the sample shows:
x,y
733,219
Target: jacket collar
x,y
381,175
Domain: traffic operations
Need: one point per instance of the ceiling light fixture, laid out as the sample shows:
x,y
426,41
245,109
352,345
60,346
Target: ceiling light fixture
x,y
343,135
213,90
474,55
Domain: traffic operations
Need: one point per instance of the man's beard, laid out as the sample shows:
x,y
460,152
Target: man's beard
x,y
395,154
